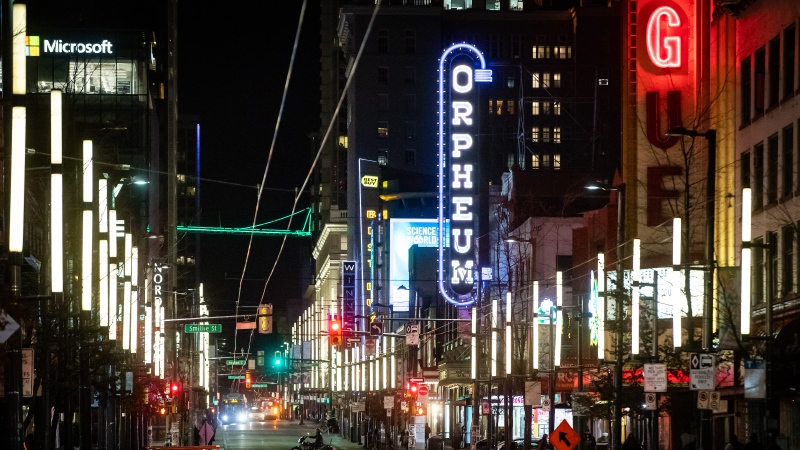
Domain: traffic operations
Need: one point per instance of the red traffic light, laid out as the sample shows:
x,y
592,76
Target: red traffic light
x,y
413,388
174,389
335,325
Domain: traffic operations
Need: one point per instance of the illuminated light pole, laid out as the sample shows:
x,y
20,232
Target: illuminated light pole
x,y
635,278
676,281
88,228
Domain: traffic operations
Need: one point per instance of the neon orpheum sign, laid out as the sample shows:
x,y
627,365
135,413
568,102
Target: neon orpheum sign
x,y
457,191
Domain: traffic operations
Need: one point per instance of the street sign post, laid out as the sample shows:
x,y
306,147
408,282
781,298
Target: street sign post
x,y
412,334
202,328
235,362
423,390
564,437
376,328
655,378
236,377
701,372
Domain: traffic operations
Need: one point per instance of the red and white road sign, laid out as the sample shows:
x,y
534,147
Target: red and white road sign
x,y
423,390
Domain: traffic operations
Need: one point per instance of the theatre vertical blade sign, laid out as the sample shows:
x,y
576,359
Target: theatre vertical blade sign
x,y
461,67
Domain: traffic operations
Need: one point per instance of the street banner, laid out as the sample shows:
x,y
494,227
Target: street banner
x,y
533,393
755,379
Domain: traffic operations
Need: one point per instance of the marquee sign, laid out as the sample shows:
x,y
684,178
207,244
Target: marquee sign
x,y
457,166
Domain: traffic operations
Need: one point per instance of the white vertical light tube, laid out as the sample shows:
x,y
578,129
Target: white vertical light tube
x,y
601,306
384,365
559,317
112,233
394,367
148,334
494,338
535,325
676,282
134,316
128,255
103,275
88,227
113,312
16,212
635,278
473,344
56,194
126,312
747,236
508,333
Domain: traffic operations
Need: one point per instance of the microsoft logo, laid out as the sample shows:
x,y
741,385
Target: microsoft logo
x,y
32,46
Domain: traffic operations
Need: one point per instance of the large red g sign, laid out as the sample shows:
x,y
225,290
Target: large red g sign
x,y
664,50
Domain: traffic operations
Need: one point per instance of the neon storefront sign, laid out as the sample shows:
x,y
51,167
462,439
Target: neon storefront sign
x,y
59,46
457,190
664,50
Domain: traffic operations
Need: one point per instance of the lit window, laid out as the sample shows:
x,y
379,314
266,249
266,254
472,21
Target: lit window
x,y
536,79
535,163
557,108
557,161
546,80
383,129
563,51
511,107
181,178
191,191
545,160
383,157
343,242
491,106
343,141
557,135
557,80
536,108
539,51
546,134
535,134
499,107
510,82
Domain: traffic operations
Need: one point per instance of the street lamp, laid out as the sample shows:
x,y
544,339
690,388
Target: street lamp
x,y
616,435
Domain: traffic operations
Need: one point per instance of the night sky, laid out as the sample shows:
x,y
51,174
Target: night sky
x,y
232,66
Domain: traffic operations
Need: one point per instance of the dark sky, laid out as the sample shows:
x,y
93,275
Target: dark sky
x,y
232,66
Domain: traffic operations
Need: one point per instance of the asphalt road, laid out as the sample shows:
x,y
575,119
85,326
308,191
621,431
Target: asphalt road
x,y
272,435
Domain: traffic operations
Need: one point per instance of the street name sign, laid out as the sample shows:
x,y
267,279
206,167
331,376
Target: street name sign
x,y
235,362
564,437
259,385
236,377
655,378
701,372
202,328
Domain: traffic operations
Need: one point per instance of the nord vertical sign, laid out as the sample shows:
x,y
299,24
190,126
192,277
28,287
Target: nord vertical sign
x,y
348,295
460,67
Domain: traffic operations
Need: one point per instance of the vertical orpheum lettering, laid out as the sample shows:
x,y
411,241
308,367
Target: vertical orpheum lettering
x,y
457,189
664,51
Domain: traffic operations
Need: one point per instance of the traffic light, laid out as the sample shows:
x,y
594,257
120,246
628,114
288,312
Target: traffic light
x,y
174,389
335,330
413,388
278,358
248,381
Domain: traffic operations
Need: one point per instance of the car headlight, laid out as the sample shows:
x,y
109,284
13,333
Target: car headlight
x,y
242,417
224,417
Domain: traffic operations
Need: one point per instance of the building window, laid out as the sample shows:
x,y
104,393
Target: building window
x,y
383,157
511,107
758,176
787,167
546,80
343,141
411,102
411,157
536,108
538,51
510,81
515,5
760,81
493,5
745,169
557,135
557,108
383,102
556,80
546,161
491,106
773,242
411,75
383,75
411,130
343,242
411,42
546,134
562,51
787,278
516,45
557,161
536,80
383,41
746,90
774,69
772,169
499,109
535,134
788,61
535,163
383,129
757,294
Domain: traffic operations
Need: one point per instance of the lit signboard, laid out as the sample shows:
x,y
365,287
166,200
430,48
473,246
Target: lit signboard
x,y
403,233
664,50
458,193
35,47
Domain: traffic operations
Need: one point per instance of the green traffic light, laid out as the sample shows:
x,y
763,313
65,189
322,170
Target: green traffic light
x,y
277,362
